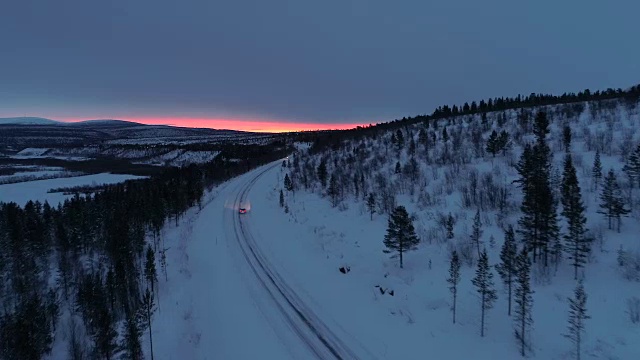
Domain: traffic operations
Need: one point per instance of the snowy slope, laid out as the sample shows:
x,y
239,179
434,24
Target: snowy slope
x,y
314,240
215,301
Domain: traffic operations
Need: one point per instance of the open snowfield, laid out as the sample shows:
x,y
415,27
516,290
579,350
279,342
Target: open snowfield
x,y
21,193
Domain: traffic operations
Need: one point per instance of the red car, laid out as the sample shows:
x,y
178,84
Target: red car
x,y
243,211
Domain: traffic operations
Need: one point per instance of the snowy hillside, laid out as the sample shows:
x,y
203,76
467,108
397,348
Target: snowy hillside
x,y
28,121
443,173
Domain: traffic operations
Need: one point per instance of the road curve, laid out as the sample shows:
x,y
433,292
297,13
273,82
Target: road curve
x,y
320,341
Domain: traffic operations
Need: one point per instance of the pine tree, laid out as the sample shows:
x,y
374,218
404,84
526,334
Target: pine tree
x,y
371,204
632,167
401,236
492,144
577,317
507,269
281,198
483,281
612,205
596,172
538,223
566,138
322,173
150,271
106,335
523,300
504,144
131,341
333,191
476,232
398,168
577,246
147,311
449,224
399,139
288,184
454,279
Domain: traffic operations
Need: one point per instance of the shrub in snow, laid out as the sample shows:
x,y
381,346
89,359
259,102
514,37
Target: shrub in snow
x,y
629,263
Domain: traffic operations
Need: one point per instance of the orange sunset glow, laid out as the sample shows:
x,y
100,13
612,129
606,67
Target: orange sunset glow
x,y
269,126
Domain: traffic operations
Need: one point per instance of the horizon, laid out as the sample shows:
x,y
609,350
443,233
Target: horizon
x,y
262,126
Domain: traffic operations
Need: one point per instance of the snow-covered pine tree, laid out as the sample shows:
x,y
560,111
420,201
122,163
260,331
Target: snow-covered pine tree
x,y
401,235
577,317
596,171
150,272
577,246
492,144
507,269
566,138
538,223
281,198
450,222
333,191
483,281
371,205
504,144
131,341
322,173
612,203
147,310
476,232
632,167
454,279
523,300
288,184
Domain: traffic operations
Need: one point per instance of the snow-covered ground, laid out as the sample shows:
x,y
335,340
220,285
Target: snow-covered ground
x,y
235,282
22,192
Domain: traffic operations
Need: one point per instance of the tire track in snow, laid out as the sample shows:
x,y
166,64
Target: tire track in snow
x,y
311,330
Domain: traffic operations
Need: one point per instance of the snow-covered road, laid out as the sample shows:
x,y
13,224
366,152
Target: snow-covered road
x,y
231,302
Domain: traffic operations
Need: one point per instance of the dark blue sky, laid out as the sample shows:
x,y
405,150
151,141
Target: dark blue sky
x,y
311,61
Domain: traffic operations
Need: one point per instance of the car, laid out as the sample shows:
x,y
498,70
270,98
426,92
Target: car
x,y
243,211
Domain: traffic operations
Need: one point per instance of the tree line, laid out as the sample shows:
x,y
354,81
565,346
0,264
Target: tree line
x,y
96,258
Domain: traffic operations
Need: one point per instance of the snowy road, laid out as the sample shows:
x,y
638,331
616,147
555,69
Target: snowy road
x,y
232,303
319,341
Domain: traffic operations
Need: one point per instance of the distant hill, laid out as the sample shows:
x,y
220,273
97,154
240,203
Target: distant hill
x,y
28,121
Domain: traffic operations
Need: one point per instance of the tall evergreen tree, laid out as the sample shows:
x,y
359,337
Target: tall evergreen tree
x,y
504,144
146,311
523,300
131,341
281,198
476,232
577,246
150,272
492,144
632,167
333,191
483,281
566,138
507,269
454,279
612,205
288,184
577,317
371,204
401,236
322,173
539,223
596,171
